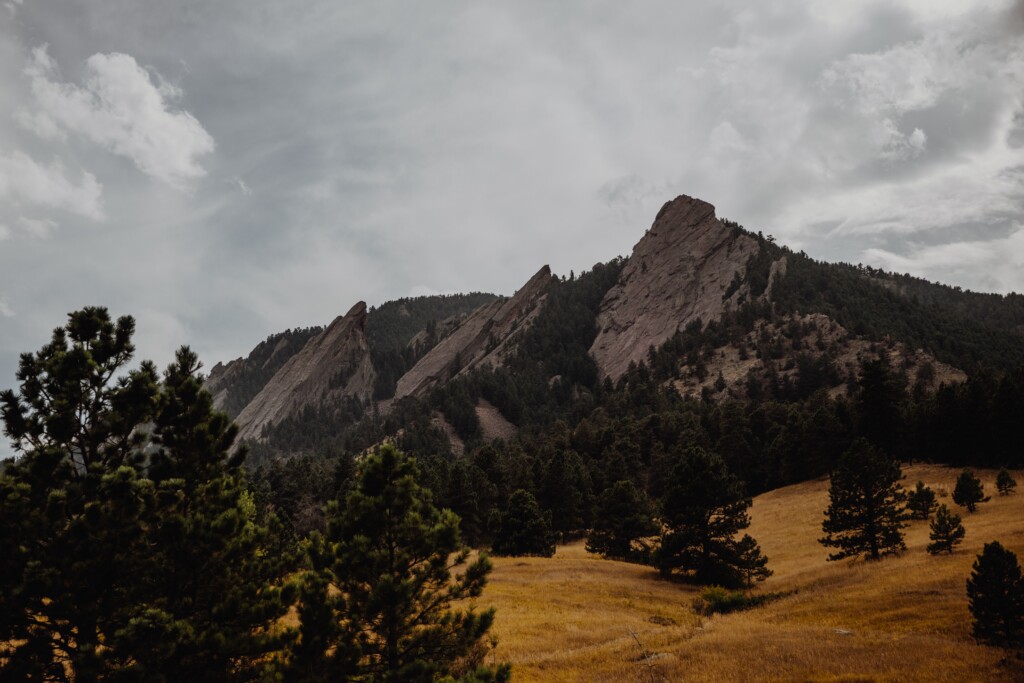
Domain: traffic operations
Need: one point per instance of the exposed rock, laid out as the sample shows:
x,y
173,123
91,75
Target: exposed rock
x,y
493,424
333,365
220,379
482,339
679,271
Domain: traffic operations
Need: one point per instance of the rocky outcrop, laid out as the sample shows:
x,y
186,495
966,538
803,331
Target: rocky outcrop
x,y
687,266
333,365
483,339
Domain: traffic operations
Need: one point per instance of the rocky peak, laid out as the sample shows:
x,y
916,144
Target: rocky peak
x,y
682,269
333,365
483,338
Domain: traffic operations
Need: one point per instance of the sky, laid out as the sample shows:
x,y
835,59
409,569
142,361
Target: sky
x,y
225,170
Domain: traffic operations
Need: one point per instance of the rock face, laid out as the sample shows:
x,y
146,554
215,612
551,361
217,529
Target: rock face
x,y
333,365
483,338
682,269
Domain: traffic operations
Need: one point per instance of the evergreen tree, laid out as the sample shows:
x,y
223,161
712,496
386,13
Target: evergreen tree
x,y
623,516
881,402
751,563
969,491
390,553
1005,482
524,529
703,510
995,595
921,501
865,515
129,542
946,531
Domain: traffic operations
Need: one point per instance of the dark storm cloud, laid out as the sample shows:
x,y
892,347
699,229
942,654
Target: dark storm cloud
x,y
225,170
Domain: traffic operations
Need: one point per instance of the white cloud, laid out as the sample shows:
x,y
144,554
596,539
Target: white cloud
x,y
25,181
992,265
39,228
120,109
5,310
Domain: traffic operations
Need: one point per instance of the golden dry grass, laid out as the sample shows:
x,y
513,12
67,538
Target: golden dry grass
x,y
569,618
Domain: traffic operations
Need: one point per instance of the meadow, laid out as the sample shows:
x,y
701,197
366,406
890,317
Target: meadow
x,y
577,617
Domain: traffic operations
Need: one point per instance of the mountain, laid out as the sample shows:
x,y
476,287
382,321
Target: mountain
x,y
483,339
701,306
683,269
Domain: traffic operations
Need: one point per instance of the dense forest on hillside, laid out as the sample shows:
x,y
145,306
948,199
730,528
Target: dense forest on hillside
x,y
579,435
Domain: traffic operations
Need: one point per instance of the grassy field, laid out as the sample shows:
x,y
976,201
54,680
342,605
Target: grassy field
x,y
575,617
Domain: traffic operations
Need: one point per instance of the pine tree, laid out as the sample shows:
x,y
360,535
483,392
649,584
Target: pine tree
x,y
703,510
995,595
750,561
946,531
865,515
623,516
969,491
391,554
1005,482
128,537
921,501
524,529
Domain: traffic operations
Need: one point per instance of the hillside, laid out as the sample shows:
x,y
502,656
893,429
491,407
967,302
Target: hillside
x,y
569,618
712,310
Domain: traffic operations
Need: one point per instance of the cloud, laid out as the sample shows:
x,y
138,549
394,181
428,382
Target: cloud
x,y
5,310
24,181
120,109
39,228
5,232
990,265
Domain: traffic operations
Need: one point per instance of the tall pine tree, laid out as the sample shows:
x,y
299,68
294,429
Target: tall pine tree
x,y
995,596
703,510
866,513
390,554
129,539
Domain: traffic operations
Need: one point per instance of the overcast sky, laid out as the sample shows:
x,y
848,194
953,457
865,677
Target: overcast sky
x,y
224,170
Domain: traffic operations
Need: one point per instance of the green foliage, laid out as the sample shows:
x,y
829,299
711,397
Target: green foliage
x,y
390,553
703,509
623,517
1005,483
995,596
881,402
866,513
719,600
945,531
524,529
132,549
969,491
921,501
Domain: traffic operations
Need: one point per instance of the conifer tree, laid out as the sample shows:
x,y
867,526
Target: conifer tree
x,y
391,554
623,516
995,595
945,531
129,541
751,563
703,510
524,529
921,501
1005,482
865,515
969,491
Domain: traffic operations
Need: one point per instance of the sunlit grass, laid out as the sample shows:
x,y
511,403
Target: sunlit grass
x,y
571,617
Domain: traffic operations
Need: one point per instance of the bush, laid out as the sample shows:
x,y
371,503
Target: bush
x,y
718,600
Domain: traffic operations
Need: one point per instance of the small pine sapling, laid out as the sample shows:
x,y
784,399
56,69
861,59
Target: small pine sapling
x,y
946,531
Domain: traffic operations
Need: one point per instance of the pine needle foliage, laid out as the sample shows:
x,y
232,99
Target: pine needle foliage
x,y
945,531
995,596
866,513
390,556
